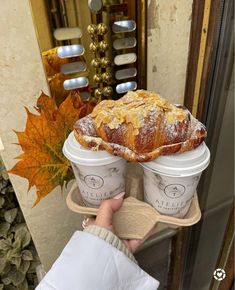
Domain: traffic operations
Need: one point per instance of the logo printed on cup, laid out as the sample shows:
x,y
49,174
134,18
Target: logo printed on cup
x,y
174,190
170,181
94,181
99,175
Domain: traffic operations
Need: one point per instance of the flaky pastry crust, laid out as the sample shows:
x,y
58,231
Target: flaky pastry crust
x,y
139,127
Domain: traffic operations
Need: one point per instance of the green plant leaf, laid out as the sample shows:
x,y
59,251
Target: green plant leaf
x,y
24,235
2,201
24,266
23,285
7,269
3,262
10,201
16,261
26,239
15,251
1,215
6,280
27,255
4,227
11,235
10,189
3,184
10,215
16,277
10,287
18,227
19,217
5,244
14,237
32,281
17,243
33,266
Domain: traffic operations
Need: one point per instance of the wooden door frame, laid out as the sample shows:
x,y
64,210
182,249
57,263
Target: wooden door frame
x,y
226,257
203,47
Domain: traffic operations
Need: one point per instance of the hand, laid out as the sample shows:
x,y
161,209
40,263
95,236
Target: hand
x,y
105,219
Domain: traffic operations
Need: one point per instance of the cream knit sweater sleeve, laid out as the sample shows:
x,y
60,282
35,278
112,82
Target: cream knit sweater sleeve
x,y
109,238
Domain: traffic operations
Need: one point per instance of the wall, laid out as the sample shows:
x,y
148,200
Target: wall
x,y
39,12
22,78
169,25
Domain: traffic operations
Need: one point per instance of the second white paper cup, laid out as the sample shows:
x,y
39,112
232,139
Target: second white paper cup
x,y
99,175
170,181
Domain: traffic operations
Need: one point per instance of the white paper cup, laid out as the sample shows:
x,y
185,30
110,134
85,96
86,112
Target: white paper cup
x,y
170,181
99,175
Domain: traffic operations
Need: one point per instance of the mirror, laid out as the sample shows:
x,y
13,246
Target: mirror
x,y
95,47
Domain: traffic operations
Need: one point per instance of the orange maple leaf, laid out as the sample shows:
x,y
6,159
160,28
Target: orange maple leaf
x,y
56,84
42,161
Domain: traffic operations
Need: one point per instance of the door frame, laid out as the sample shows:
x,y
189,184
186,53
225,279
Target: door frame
x,y
210,55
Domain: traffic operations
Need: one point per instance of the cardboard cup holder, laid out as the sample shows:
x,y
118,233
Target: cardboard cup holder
x,y
135,218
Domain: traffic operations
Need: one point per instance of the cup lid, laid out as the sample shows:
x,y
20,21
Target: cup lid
x,y
80,155
181,164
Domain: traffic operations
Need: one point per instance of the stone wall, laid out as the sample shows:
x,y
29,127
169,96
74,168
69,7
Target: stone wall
x,y
169,25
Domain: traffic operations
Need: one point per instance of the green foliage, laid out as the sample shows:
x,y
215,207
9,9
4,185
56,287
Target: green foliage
x,y
18,257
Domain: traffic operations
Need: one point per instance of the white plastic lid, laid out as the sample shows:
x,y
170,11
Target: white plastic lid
x,y
181,164
79,155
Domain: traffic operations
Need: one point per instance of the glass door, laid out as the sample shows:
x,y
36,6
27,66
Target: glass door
x,y
205,240
186,258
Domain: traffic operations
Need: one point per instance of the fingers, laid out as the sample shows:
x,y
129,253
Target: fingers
x,y
107,209
105,213
133,245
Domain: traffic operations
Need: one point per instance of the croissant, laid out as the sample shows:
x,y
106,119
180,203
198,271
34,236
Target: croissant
x,y
139,127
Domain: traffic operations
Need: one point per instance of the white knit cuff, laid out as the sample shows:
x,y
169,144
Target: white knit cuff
x,y
110,238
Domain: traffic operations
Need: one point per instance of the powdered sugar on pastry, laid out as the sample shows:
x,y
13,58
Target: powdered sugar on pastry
x,y
139,127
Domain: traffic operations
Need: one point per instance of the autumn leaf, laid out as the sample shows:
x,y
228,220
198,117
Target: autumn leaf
x,y
52,62
56,84
57,89
42,161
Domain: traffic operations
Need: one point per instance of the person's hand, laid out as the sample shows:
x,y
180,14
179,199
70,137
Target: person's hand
x,y
104,219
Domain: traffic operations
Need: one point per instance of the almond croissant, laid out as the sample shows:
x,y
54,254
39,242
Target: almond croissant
x,y
139,127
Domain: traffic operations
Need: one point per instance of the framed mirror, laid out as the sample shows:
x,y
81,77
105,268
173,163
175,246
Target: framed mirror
x,y
96,48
